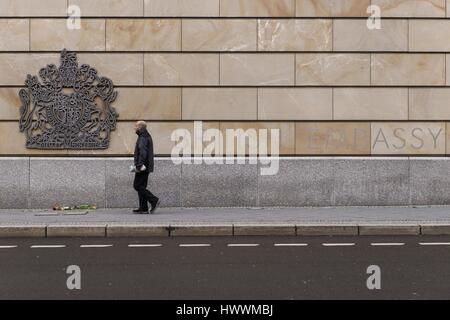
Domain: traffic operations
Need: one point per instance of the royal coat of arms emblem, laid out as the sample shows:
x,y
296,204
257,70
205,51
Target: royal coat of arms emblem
x,y
69,109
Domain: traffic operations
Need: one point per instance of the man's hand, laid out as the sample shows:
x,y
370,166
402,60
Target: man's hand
x,y
134,168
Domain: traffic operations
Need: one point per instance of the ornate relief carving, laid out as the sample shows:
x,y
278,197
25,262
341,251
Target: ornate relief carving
x,y
69,109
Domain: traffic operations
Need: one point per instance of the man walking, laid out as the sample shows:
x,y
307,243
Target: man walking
x,y
143,161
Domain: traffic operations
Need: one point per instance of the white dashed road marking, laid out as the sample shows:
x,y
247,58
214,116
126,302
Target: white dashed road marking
x,y
195,245
144,245
96,245
48,246
434,243
387,244
290,244
338,244
243,244
154,245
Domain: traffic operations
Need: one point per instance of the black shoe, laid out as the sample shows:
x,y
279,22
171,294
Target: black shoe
x,y
140,211
152,210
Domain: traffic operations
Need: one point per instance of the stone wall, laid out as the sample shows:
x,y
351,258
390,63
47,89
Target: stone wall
x,y
301,181
311,68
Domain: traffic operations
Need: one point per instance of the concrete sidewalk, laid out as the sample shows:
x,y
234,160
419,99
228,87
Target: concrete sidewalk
x,y
227,222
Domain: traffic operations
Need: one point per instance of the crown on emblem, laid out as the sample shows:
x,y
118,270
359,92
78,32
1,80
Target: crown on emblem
x,y
70,108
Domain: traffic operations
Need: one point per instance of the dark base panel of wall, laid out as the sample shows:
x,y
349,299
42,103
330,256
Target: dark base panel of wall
x,y
318,182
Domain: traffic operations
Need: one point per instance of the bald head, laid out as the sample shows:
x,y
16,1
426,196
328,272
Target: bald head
x,y
141,125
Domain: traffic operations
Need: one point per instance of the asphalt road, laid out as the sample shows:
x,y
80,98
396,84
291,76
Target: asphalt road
x,y
226,268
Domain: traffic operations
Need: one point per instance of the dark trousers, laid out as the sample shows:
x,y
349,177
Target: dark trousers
x,y
140,185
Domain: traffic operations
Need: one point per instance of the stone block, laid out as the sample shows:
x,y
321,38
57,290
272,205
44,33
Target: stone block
x,y
205,230
14,183
332,138
10,102
370,104
14,34
137,231
181,8
229,104
430,182
174,69
422,8
264,230
405,69
371,182
335,8
147,103
257,69
143,34
89,230
23,231
109,8
435,229
298,183
332,69
67,181
295,104
429,104
219,185
53,34
327,230
429,35
353,35
124,69
219,35
388,230
295,35
33,8
14,67
257,8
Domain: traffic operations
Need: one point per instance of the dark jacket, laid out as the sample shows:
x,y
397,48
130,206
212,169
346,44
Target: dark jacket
x,y
143,152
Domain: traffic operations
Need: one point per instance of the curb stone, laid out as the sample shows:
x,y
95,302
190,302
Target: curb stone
x,y
148,230
435,229
264,230
137,230
378,230
31,231
210,230
327,230
76,230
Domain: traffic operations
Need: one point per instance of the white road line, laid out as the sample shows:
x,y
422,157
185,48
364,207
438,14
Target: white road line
x,y
96,245
7,247
387,244
434,243
194,245
48,246
243,244
338,244
144,245
290,244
